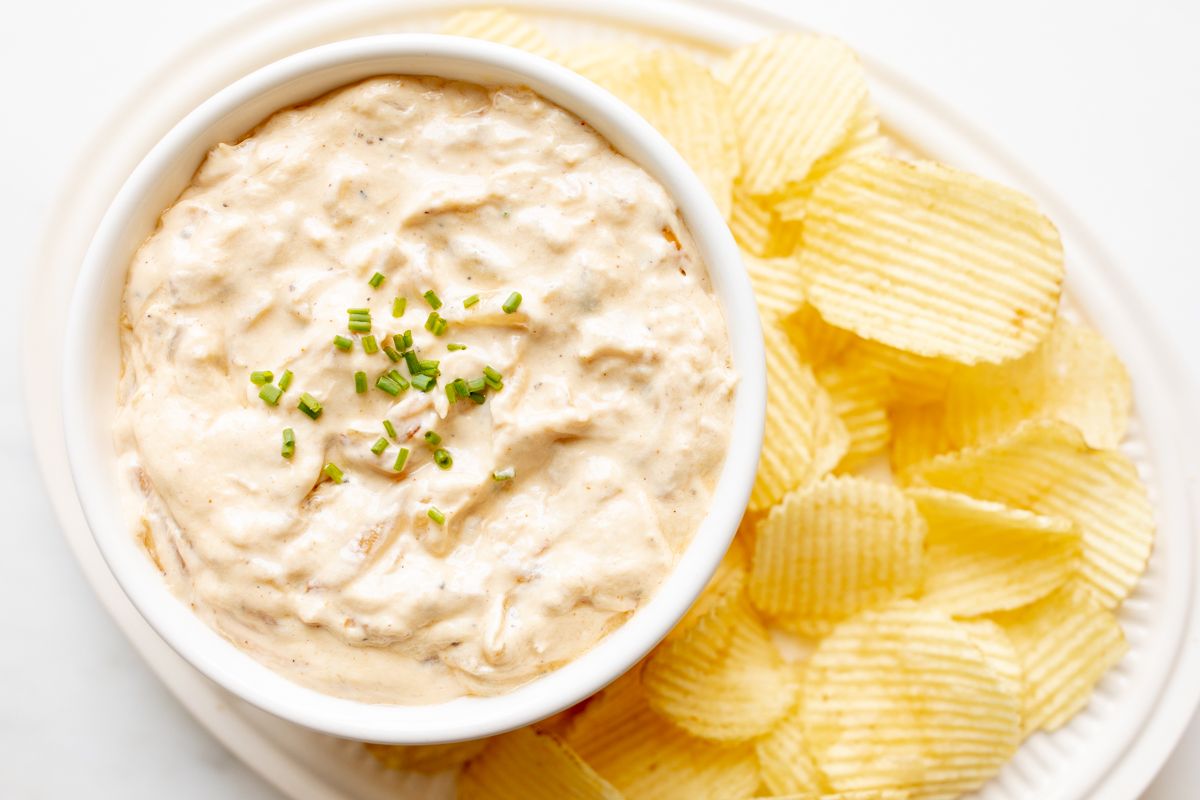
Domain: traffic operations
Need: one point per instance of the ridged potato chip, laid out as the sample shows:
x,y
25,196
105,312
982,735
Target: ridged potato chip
x,y
982,556
834,548
917,436
501,26
784,761
1074,376
526,765
1066,643
722,679
794,98
426,757
860,397
1047,468
777,284
879,795
758,229
818,343
803,438
927,259
648,758
903,699
998,651
915,378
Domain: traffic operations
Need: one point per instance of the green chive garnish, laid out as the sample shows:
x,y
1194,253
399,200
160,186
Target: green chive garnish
x,y
376,280
398,378
310,405
407,340
289,443
285,380
391,353
360,382
440,326
470,301
460,387
453,347
451,395
423,382
398,306
432,321
488,372
342,343
429,367
414,364
380,445
389,428
358,312
442,458
512,303
476,385
436,515
262,377
505,474
432,437
388,385
401,458
335,474
270,393
359,326
370,346
476,398
433,300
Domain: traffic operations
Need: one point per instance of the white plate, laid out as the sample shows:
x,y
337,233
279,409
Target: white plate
x,y
1110,751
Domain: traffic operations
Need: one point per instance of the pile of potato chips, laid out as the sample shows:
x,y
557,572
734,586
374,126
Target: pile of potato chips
x,y
869,636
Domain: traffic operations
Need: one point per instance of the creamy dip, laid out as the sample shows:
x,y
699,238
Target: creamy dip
x,y
612,420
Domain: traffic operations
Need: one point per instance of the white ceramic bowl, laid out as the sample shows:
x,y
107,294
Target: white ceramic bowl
x,y
90,381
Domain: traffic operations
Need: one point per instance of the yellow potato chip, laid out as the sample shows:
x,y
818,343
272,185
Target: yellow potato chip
x,y
927,259
915,378
886,794
784,761
917,436
999,653
794,98
834,548
723,679
1074,376
426,758
527,765
860,397
803,435
902,698
777,284
1047,468
648,758
1065,643
758,229
503,27
817,342
982,556
728,583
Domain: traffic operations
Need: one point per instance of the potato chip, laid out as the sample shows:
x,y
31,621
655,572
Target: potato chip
x,y
1047,468
817,342
426,757
526,765
503,27
930,260
860,397
758,229
834,548
777,284
784,762
723,679
982,557
648,758
887,794
1074,376
902,698
1065,643
803,436
998,651
917,436
915,378
794,98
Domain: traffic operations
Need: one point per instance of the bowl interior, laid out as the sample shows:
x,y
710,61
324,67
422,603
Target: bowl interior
x,y
89,400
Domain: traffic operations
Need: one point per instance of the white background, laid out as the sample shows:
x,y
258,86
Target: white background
x,y
1100,99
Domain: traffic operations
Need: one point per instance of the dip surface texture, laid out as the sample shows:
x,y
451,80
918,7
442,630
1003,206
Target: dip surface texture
x,y
613,417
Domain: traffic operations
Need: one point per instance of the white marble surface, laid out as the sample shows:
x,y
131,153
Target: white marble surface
x,y
1098,98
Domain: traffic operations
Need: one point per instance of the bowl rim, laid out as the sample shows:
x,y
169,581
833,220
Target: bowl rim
x,y
466,717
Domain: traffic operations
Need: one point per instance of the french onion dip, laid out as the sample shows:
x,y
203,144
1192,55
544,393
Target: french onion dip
x,y
496,491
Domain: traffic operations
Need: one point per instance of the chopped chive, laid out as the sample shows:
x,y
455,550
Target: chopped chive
x,y
414,364
260,378
270,394
442,458
453,346
391,352
470,301
388,385
370,346
389,428
512,303
505,474
476,398
310,405
359,326
432,437
285,380
407,340
495,386
398,306
460,387
429,367
436,516
398,378
431,320
376,280
488,372
476,385
360,382
451,395
432,299
423,382
358,311
342,343
439,326
334,472
380,445
401,458
289,443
